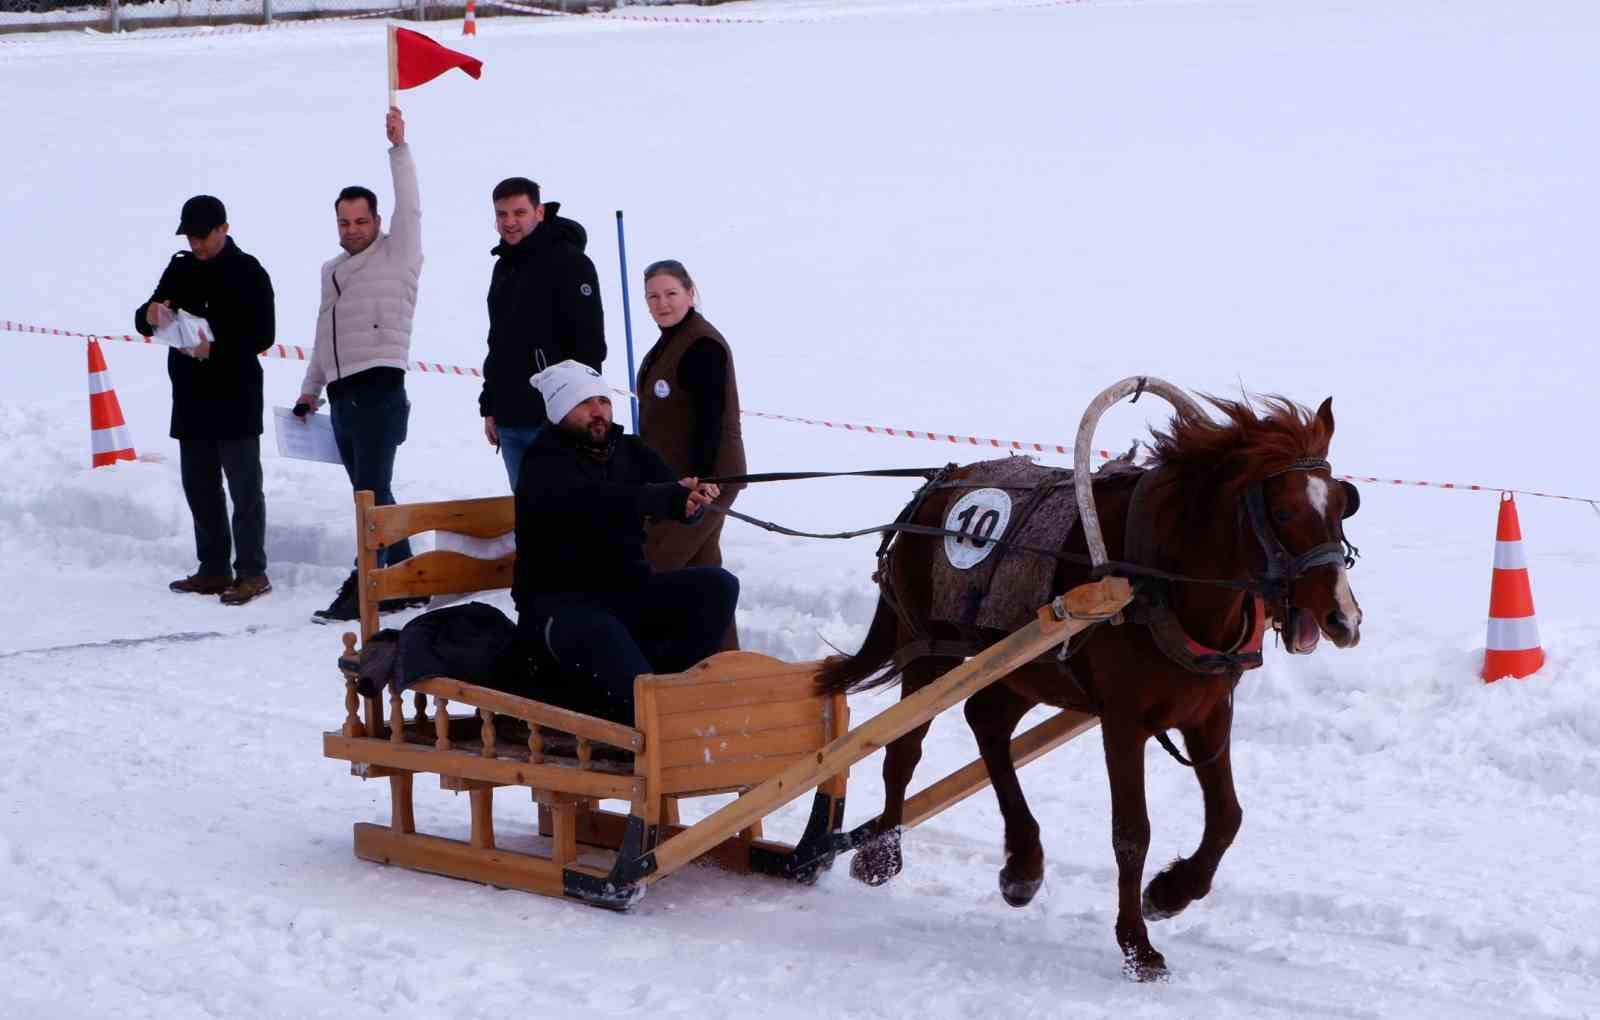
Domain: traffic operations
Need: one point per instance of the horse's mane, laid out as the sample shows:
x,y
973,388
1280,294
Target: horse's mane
x,y
1246,445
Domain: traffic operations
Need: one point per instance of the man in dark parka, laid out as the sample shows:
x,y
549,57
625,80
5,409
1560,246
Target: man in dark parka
x,y
217,398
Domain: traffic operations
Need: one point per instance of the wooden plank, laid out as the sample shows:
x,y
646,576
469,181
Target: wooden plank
x,y
439,572
836,719
469,765
456,859
732,678
490,517
969,779
743,719
528,710
699,698
730,747
366,563
1081,607
725,666
717,778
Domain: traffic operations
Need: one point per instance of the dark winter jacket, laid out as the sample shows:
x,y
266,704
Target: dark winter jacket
x,y
581,517
544,307
220,397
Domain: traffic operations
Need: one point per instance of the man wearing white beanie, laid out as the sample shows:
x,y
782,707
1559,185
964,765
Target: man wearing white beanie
x,y
588,604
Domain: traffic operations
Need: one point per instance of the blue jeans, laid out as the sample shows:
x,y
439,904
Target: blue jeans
x,y
514,442
599,644
369,425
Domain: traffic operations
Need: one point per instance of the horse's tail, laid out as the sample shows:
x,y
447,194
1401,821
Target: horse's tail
x,y
855,672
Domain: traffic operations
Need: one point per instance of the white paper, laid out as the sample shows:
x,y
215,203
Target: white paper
x,y
308,439
183,331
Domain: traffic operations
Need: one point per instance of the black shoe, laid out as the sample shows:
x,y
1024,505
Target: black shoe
x,y
402,604
346,605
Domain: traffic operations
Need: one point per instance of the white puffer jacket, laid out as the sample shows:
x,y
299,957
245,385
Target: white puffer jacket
x,y
367,299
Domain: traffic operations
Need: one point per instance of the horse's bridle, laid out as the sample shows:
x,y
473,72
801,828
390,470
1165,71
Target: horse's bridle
x,y
1283,569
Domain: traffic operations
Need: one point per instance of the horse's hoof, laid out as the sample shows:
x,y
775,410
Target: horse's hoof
x,y
1153,912
1019,892
1145,965
879,859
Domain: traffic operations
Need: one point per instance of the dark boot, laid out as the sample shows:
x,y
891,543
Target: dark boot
x,y
202,584
247,588
346,605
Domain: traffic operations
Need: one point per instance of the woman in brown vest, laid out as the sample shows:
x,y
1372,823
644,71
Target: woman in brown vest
x,y
689,413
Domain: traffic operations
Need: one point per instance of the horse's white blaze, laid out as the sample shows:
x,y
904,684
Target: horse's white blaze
x,y
1345,599
1317,493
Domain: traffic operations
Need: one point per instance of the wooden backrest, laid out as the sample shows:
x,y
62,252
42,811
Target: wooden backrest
x,y
732,721
436,572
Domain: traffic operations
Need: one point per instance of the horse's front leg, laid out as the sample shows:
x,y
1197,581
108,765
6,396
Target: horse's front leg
x,y
1189,878
993,714
879,858
1130,841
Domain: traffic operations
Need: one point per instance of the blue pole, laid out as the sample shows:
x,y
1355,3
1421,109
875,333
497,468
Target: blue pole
x,y
627,320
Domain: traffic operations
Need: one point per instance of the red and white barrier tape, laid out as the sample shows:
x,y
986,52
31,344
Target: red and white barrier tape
x,y
209,30
679,19
287,352
292,352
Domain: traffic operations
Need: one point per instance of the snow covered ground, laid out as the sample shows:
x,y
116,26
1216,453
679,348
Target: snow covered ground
x,y
958,216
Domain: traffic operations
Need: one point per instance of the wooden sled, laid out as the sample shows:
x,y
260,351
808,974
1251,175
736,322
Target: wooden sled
x,y
737,722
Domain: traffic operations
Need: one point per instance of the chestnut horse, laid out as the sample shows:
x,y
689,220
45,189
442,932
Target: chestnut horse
x,y
1247,511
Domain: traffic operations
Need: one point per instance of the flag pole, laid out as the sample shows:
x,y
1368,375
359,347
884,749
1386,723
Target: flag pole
x,y
394,68
627,321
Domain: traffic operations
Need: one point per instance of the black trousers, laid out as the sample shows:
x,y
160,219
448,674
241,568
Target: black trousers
x,y
667,624
203,464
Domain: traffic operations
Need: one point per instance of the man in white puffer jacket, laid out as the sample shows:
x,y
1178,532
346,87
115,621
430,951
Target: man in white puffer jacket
x,y
364,342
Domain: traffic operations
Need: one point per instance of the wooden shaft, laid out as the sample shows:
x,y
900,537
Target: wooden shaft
x,y
394,67
1084,605
968,780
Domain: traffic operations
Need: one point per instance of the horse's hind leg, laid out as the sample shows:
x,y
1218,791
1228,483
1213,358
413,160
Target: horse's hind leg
x,y
879,859
993,714
1189,878
1130,841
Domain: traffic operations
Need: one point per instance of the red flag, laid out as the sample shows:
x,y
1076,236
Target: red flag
x,y
416,59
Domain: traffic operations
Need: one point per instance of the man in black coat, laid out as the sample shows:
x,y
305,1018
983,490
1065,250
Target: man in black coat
x,y
587,600
544,308
216,398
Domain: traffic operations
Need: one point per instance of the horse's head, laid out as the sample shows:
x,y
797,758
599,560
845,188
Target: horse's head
x,y
1298,514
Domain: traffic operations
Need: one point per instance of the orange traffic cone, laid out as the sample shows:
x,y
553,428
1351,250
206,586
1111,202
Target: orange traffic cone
x,y
108,431
470,25
1513,645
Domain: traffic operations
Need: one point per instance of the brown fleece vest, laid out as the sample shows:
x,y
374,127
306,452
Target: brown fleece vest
x,y
667,411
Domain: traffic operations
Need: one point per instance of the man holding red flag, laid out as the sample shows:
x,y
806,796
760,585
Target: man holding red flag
x,y
363,341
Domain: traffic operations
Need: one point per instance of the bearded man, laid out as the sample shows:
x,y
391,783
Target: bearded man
x,y
588,603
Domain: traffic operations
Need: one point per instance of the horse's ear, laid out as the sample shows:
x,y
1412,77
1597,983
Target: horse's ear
x,y
1325,415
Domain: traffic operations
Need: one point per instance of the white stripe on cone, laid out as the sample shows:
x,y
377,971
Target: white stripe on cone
x,y
99,382
1513,634
111,440
1509,556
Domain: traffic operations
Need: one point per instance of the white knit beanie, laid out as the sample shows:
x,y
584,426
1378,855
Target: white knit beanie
x,y
567,384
